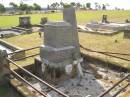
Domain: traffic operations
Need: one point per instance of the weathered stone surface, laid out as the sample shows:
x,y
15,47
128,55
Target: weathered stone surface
x,y
61,47
58,34
109,26
70,17
4,66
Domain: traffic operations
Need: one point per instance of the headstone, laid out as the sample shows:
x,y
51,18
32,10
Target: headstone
x,y
43,20
104,19
24,21
61,48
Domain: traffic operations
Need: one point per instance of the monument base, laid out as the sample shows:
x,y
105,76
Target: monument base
x,y
55,74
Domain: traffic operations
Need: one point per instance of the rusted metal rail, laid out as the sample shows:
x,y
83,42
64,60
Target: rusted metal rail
x,y
26,57
106,92
50,86
25,81
24,50
105,53
117,93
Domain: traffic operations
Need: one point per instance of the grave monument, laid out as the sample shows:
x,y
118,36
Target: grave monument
x,y
104,19
60,54
24,21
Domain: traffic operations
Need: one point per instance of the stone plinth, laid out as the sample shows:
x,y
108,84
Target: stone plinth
x,y
58,34
24,21
59,50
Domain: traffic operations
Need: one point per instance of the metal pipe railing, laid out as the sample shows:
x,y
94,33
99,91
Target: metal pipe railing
x,y
25,81
50,86
106,92
25,57
118,92
24,50
105,53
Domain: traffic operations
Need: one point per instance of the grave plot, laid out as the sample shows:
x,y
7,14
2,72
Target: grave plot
x,y
61,63
108,28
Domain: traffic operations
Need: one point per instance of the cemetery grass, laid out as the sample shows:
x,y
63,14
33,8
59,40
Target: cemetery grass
x,y
82,17
114,43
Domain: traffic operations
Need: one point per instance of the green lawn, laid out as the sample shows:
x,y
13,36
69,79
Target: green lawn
x,y
82,17
91,41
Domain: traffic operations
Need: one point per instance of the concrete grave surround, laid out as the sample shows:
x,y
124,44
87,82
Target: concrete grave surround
x,y
116,27
61,47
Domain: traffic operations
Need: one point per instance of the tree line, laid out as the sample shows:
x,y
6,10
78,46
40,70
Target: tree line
x,y
21,7
54,6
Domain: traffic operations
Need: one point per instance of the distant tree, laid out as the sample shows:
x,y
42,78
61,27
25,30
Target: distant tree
x,y
103,7
48,7
30,8
2,8
13,5
23,7
61,4
78,5
36,6
55,6
88,5
73,4
96,5
107,5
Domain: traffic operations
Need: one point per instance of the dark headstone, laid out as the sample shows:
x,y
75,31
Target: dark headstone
x,y
104,19
24,21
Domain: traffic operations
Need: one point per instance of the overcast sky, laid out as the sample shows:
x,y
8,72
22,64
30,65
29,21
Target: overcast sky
x,y
113,3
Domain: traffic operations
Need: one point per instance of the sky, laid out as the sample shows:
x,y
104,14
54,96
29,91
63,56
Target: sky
x,y
113,3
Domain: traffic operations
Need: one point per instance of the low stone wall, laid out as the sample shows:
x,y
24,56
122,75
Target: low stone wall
x,y
100,33
99,60
21,29
16,55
